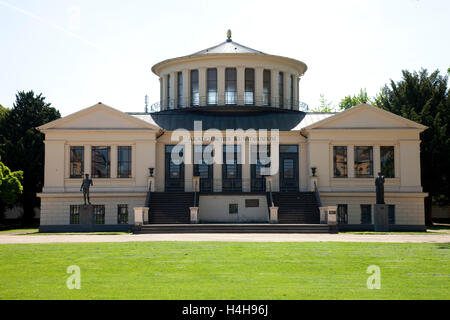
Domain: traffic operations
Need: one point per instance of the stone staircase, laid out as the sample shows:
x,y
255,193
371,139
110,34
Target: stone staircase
x,y
297,207
170,207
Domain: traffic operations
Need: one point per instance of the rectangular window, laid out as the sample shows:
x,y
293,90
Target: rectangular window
x,y
288,149
252,203
76,162
267,87
288,169
124,162
363,162
99,214
342,214
101,162
387,162
122,214
391,213
230,86
281,89
249,86
195,96
340,161
212,86
180,90
75,214
233,208
366,214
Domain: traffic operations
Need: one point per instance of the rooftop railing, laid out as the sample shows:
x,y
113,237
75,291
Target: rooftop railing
x,y
229,100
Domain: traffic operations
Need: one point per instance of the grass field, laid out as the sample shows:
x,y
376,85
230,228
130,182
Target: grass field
x,y
217,270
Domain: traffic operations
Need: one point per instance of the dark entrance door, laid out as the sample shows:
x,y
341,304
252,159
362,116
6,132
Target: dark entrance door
x,y
288,168
231,169
203,170
174,174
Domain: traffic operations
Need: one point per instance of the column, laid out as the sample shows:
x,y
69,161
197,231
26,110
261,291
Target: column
x,y
217,172
189,172
351,160
287,90
164,104
87,159
202,85
296,97
186,88
172,93
114,160
221,85
376,160
274,88
161,92
246,175
66,161
259,80
240,85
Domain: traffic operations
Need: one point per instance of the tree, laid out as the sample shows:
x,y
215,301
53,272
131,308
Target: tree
x,y
10,186
324,105
22,146
351,101
424,98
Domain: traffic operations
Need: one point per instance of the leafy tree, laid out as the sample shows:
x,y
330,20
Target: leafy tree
x,y
424,98
22,146
324,105
10,186
351,101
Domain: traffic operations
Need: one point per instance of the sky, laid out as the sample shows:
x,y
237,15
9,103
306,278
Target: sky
x,y
78,53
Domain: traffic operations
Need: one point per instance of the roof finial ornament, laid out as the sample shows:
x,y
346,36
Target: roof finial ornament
x,y
229,35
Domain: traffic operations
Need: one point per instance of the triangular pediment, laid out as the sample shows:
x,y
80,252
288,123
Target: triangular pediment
x,y
365,116
99,117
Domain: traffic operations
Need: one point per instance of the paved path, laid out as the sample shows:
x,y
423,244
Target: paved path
x,y
243,237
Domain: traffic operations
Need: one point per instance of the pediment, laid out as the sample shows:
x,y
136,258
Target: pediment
x,y
366,116
98,117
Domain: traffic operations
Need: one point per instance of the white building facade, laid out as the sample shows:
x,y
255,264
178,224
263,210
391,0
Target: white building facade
x,y
233,103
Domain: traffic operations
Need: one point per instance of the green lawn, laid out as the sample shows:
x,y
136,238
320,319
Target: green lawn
x,y
219,270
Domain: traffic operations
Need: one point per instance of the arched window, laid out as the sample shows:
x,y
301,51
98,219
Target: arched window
x,y
212,86
281,89
195,96
266,87
230,86
249,86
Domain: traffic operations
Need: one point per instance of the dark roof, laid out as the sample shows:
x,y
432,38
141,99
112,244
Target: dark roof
x,y
227,117
228,47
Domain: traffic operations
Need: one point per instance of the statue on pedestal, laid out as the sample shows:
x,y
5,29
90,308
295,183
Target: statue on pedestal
x,y
379,184
87,183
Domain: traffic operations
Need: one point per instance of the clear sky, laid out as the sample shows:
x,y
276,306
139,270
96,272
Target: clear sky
x,y
78,53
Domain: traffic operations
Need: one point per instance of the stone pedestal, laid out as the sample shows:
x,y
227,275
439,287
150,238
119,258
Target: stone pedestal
x,y
332,216
194,214
140,216
273,214
323,215
86,214
381,218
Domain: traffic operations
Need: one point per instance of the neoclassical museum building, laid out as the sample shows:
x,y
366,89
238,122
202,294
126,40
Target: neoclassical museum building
x,y
230,148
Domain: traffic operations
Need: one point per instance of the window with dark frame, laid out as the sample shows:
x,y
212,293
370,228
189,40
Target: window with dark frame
x,y
267,87
124,162
391,213
233,208
249,86
74,214
212,86
76,162
101,163
340,162
366,214
281,89
363,162
122,214
387,161
342,213
180,90
99,214
252,203
195,95
230,86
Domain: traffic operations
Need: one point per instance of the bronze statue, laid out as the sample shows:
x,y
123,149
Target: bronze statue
x,y
379,184
87,183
